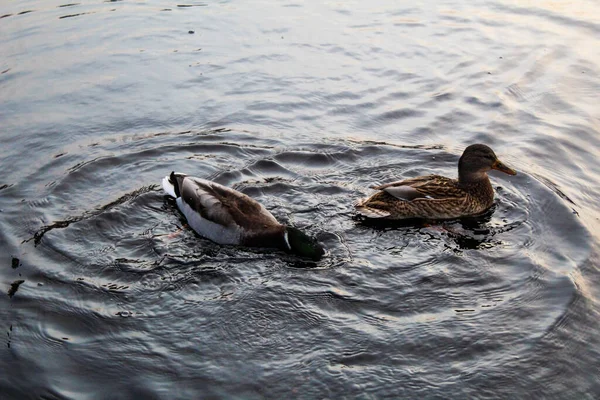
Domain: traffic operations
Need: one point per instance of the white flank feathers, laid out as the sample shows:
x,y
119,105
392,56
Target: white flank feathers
x,y
168,187
211,230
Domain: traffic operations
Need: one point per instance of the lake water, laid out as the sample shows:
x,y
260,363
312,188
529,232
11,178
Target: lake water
x,y
302,105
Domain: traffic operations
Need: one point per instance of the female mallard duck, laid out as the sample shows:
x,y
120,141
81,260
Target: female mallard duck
x,y
438,197
227,216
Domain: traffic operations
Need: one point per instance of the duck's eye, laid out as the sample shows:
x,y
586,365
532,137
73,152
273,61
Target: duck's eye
x,y
489,156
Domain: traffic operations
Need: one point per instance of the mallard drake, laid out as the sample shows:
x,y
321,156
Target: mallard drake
x,y
438,197
227,216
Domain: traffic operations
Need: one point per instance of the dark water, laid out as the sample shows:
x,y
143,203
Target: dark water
x,y
302,106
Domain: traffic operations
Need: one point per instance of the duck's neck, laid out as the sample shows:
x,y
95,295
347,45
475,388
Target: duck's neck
x,y
477,184
273,238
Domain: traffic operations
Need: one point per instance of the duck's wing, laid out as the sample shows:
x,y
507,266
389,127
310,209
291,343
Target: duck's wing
x,y
224,206
431,187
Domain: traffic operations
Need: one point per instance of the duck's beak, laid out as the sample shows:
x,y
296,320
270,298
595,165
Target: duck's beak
x,y
500,166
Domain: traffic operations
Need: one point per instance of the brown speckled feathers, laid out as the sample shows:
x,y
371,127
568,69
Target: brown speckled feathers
x,y
438,197
226,206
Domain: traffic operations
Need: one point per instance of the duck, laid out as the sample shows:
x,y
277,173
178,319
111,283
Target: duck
x,y
229,217
436,197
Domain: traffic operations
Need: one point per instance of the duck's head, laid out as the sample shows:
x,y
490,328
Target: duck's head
x,y
303,245
476,160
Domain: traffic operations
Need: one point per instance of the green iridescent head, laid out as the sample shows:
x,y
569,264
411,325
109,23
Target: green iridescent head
x,y
303,245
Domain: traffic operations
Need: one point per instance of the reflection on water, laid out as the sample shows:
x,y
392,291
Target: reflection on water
x,y
469,233
303,107
133,257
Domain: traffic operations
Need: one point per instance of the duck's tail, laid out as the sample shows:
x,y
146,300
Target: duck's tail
x,y
370,212
171,184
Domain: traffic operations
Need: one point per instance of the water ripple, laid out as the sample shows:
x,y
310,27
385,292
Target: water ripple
x,y
304,107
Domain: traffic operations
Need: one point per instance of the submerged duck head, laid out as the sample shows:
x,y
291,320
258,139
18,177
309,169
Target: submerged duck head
x,y
476,160
303,245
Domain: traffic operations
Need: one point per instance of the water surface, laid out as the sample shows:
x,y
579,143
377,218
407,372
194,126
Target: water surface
x,y
302,106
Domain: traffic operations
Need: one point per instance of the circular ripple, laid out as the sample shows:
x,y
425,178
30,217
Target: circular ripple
x,y
494,284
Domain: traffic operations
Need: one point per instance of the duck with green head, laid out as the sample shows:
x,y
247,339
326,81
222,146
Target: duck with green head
x,y
227,216
438,197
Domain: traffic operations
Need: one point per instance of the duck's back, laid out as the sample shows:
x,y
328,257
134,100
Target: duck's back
x,y
423,187
219,213
431,197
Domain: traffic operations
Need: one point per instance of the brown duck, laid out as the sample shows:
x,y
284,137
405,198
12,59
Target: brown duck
x,y
438,197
